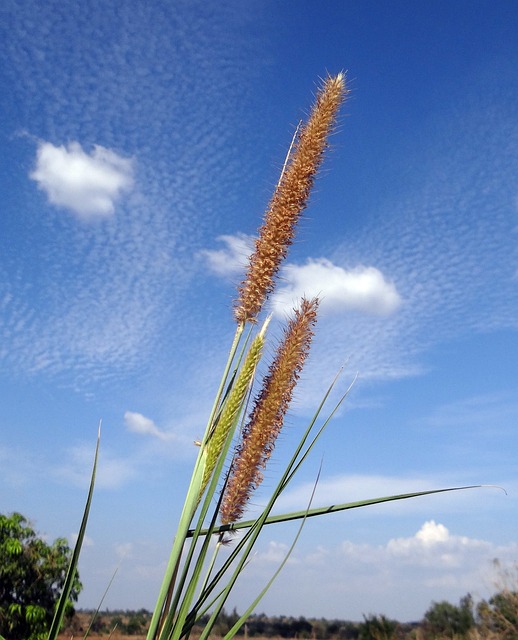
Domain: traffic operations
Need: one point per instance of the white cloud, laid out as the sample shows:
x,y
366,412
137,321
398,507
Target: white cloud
x,y
399,577
232,259
434,546
137,423
362,289
86,184
446,558
431,533
275,553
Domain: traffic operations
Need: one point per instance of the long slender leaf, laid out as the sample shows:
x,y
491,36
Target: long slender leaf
x,y
244,547
161,612
69,580
96,613
319,511
243,618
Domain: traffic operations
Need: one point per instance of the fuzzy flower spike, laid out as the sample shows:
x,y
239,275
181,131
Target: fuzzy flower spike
x,y
265,422
289,200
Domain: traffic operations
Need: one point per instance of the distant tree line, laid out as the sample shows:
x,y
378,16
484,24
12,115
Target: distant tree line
x,y
32,573
492,619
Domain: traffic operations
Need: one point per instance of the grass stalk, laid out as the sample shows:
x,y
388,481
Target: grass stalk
x,y
242,619
228,574
59,613
217,438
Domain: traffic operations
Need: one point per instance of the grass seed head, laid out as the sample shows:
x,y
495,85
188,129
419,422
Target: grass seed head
x,y
267,416
232,407
289,200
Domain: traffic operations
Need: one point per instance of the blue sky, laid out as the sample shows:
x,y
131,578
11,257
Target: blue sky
x,y
140,145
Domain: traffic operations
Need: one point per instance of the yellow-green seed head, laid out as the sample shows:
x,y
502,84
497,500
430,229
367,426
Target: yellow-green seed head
x,y
232,407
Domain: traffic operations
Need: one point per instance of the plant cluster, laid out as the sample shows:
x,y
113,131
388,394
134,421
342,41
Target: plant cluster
x,y
246,418
190,589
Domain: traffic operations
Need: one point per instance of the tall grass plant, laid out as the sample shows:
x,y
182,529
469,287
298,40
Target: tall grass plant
x,y
247,415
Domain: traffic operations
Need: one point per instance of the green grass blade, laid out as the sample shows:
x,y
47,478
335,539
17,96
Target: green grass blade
x,y
174,626
182,598
96,613
69,580
218,578
243,618
319,511
254,532
245,545
188,510
175,605
161,611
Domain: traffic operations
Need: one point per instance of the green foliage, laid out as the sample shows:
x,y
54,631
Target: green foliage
x,y
136,624
499,615
447,620
378,628
32,574
263,626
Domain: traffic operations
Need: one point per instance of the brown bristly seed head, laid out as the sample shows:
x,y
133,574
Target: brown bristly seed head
x,y
267,416
289,200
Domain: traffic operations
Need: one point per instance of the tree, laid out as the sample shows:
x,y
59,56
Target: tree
x,y
446,619
498,616
32,574
378,628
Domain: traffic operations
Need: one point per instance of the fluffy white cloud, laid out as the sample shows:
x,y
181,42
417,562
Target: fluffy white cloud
x,y
399,577
363,289
434,546
232,259
86,184
431,533
137,423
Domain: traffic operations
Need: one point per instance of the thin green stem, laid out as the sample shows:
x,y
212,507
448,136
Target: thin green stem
x,y
239,623
191,501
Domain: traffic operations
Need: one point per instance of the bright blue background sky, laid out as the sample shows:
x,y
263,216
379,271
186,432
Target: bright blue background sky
x,y
140,141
